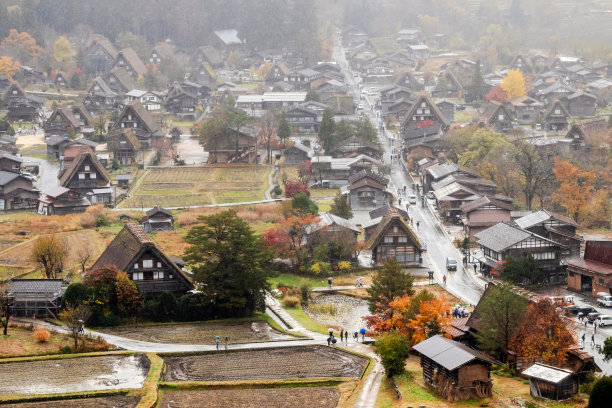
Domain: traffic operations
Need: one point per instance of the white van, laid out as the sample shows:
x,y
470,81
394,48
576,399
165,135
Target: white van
x,y
604,320
604,299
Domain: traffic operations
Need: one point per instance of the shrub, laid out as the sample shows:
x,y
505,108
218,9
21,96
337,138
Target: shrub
x,y
393,350
291,301
66,349
601,393
305,291
321,268
277,191
42,335
344,265
87,220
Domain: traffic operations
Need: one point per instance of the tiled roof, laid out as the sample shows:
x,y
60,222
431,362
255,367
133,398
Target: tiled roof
x,y
588,265
51,287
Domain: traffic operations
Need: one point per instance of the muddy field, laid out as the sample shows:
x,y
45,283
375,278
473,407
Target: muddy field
x,y
201,333
108,402
281,363
73,374
320,397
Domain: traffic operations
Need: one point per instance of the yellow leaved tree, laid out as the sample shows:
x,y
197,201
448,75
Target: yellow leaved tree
x,y
8,67
514,84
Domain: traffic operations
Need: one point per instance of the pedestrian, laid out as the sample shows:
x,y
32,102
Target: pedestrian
x,y
583,337
356,336
346,337
474,267
444,279
400,201
329,282
329,341
585,322
362,331
341,335
592,339
217,339
595,326
418,223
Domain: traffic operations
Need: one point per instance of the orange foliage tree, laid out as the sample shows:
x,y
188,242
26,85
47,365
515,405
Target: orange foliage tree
x,y
8,67
22,41
432,318
576,187
543,334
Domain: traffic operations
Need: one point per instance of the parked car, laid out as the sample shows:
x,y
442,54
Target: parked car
x,y
430,195
604,299
593,316
604,320
571,309
585,310
451,264
412,199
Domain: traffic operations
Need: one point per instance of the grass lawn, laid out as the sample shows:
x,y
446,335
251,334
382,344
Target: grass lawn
x,y
302,318
192,186
296,281
323,192
39,151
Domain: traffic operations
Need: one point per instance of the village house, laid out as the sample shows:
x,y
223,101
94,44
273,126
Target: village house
x,y
592,273
424,122
62,123
135,117
20,105
581,104
480,185
483,213
394,239
100,55
10,163
181,102
407,80
278,73
552,383
331,172
366,191
334,229
86,176
438,171
448,86
303,77
160,53
556,117
123,180
297,153
409,35
61,201
82,116
124,145
36,298
376,216
456,371
378,70
73,148
59,80
557,90
581,133
129,60
258,105
227,40
302,119
522,63
55,146
526,109
208,55
498,117
158,219
234,146
153,272
355,146
555,227
417,51
16,191
149,100
119,81
504,239
450,198
100,98
32,76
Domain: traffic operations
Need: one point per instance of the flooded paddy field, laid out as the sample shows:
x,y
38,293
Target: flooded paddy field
x,y
73,374
264,364
100,402
342,311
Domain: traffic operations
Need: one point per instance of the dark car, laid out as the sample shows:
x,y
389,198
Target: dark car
x,y
593,316
585,310
573,309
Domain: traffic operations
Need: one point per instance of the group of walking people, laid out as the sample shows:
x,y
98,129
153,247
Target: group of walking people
x,y
344,336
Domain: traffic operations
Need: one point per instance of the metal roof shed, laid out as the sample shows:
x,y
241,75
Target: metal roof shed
x,y
551,382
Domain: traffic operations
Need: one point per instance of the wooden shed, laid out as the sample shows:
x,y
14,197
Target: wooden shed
x,y
551,382
456,371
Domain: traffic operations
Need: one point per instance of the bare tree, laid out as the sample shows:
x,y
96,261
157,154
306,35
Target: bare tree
x,y
83,255
269,124
50,253
75,318
5,303
533,168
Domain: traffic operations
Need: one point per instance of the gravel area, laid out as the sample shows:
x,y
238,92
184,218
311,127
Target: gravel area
x,y
264,364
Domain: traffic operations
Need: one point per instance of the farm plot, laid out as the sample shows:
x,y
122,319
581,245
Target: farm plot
x,y
280,363
203,185
73,375
102,402
323,397
202,333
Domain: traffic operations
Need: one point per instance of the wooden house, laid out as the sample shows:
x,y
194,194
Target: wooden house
x,y
378,70
526,109
100,55
151,101
367,191
226,150
447,108
32,76
423,121
581,133
557,90
451,197
556,117
160,53
335,231
100,98
522,63
503,239
55,146
355,146
278,73
158,219
36,298
302,119
86,176
208,55
73,148
483,213
120,81
330,171
129,60
394,239
10,163
181,103
60,80
123,180
145,263
296,154
125,146
497,116
581,104
555,227
175,134
456,371
417,51
16,191
227,40
448,86
552,383
21,106
62,123
135,117
592,273
407,80
61,201
82,116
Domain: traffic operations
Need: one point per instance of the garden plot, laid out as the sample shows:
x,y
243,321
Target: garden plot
x,y
102,402
266,364
202,185
320,397
202,333
73,375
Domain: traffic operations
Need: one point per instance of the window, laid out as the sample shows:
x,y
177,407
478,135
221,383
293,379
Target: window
x,y
423,104
557,111
147,263
388,240
501,116
92,176
158,275
543,255
136,265
427,111
419,111
137,275
571,274
135,124
129,117
86,168
159,265
122,124
395,229
81,176
601,281
402,239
